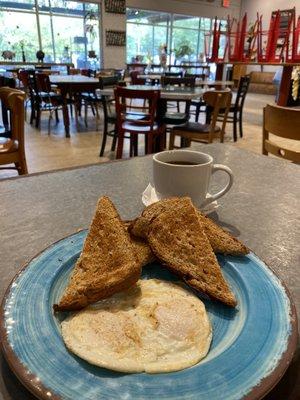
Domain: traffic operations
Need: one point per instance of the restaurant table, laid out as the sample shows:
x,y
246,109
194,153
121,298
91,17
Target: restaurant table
x,y
167,93
72,85
261,209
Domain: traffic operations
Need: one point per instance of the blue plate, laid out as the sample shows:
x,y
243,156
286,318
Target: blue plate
x,y
251,348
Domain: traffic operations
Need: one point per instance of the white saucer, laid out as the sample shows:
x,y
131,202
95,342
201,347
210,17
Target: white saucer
x,y
149,196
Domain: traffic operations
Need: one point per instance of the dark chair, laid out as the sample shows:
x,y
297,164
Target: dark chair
x,y
94,100
235,115
198,104
128,123
44,99
12,150
177,118
135,80
5,129
220,102
23,77
174,75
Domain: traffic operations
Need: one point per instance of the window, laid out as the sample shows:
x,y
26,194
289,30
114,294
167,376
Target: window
x,y
148,31
66,31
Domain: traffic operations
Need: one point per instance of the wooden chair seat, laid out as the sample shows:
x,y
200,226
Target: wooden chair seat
x,y
8,145
195,127
219,102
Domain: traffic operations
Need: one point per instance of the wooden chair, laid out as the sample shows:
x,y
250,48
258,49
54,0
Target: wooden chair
x,y
220,102
282,122
140,121
12,149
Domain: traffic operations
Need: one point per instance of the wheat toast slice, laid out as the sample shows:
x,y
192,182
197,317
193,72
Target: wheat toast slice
x,y
141,248
221,241
107,264
177,238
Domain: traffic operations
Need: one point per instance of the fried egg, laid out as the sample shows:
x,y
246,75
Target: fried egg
x,y
155,326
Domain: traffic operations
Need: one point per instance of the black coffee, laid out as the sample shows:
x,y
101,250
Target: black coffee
x,y
182,163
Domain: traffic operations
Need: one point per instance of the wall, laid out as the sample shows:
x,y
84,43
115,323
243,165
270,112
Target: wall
x,y
265,8
113,56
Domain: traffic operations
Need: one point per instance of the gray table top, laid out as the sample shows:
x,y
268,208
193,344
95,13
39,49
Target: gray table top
x,y
72,79
168,93
262,209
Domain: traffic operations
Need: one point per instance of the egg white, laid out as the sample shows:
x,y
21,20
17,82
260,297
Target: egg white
x,y
155,326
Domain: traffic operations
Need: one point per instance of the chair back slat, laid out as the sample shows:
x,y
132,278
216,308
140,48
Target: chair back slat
x,y
283,122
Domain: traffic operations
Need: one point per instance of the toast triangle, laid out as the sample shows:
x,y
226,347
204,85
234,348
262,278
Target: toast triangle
x,y
221,241
177,238
107,264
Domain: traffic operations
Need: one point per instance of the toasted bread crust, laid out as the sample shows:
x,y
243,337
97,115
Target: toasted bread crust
x,y
177,238
221,241
107,264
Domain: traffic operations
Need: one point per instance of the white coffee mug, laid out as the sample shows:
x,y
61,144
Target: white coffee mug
x,y
187,173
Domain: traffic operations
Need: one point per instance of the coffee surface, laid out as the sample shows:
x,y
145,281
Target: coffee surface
x,y
182,163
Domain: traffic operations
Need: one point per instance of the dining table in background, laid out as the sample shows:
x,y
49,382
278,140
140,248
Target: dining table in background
x,y
261,209
167,93
156,78
70,86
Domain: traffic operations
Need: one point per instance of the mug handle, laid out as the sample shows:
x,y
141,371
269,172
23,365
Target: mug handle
x,y
219,167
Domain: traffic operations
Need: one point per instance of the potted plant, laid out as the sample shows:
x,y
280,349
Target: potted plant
x,y
90,24
182,51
